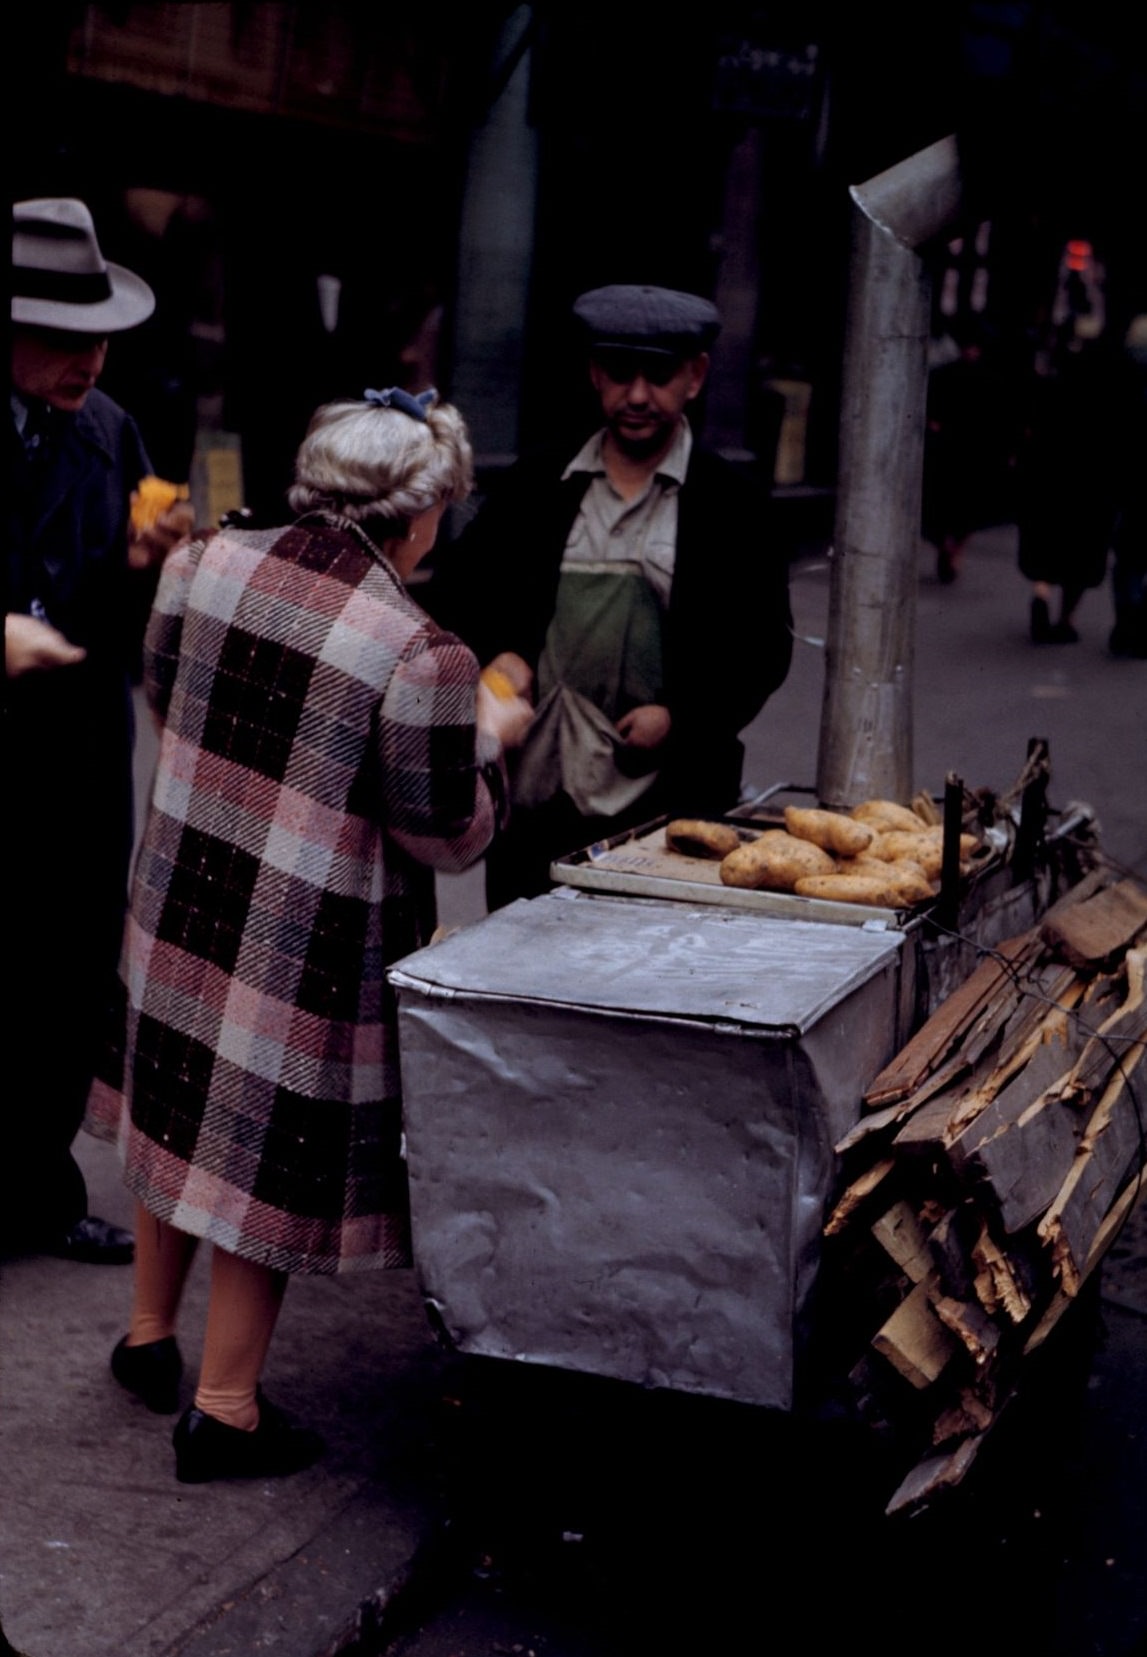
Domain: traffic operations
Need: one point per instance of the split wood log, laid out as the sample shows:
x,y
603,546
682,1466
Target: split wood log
x,y
1092,932
963,1120
1113,1138
1135,1189
946,1031
948,1075
998,1012
875,1123
880,1396
925,1131
1045,988
970,1324
1024,1144
1096,880
968,1415
950,1245
1021,1143
855,1194
903,1239
950,1023
1125,1027
931,1476
943,1123
1026,1162
914,1340
998,1281
1002,1143
1052,1030
926,1128
925,1115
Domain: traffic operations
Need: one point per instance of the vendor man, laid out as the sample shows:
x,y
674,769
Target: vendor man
x,y
78,586
633,591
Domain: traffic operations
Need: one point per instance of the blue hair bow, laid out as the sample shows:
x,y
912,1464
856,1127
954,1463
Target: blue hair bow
x,y
394,397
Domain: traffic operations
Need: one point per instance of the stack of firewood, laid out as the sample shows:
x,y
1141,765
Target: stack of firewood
x,y
998,1155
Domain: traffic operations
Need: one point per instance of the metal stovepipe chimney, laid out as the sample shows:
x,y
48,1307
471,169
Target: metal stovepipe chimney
x,y
866,719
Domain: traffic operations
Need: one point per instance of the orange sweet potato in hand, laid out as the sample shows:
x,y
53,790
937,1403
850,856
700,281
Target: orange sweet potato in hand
x,y
152,498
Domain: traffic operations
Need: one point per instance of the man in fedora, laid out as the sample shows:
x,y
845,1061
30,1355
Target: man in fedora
x,y
78,583
632,589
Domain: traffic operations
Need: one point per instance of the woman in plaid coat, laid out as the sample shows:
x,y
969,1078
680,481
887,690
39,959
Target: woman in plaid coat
x,y
325,749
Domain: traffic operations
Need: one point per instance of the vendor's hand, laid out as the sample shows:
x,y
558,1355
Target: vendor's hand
x,y
645,727
31,646
517,670
507,718
149,547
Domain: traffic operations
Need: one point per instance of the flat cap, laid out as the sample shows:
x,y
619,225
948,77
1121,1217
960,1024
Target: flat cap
x,y
651,319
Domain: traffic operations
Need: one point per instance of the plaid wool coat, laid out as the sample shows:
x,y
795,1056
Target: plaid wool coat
x,y
319,761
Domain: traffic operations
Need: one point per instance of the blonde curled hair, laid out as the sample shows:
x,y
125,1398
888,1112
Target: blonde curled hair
x,y
369,462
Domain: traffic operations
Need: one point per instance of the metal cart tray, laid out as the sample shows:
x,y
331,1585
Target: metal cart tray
x,y
638,864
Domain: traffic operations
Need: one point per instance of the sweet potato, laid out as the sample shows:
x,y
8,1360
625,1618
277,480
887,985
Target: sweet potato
x,y
838,888
886,814
500,683
831,830
152,497
925,848
695,838
905,871
774,862
909,881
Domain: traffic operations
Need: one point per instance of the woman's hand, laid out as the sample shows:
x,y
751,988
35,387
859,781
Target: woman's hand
x,y
149,547
506,718
516,669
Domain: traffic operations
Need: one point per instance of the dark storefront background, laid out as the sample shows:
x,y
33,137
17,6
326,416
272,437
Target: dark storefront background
x,y
242,155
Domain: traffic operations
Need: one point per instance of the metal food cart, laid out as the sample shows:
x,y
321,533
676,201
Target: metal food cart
x,y
621,1103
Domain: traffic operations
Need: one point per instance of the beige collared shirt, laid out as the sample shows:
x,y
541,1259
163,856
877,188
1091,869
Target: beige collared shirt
x,y
643,531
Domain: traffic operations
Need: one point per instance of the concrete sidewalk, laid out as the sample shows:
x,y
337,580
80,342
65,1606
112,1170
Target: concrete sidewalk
x,y
103,1554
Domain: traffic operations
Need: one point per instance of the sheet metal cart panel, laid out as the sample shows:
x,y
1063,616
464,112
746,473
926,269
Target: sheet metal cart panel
x,y
619,1125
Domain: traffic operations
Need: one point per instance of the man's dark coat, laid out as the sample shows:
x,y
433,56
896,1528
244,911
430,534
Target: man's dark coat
x,y
728,640
68,769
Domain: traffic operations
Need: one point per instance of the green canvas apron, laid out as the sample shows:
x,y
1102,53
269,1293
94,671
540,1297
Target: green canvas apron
x,y
602,657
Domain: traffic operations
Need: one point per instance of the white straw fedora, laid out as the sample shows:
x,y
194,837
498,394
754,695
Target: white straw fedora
x,y
60,279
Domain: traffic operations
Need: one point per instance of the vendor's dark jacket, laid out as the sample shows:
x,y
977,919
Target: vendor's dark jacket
x,y
728,640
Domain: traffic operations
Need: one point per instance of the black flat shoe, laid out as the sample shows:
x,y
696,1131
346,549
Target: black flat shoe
x,y
1040,622
207,1449
151,1371
97,1243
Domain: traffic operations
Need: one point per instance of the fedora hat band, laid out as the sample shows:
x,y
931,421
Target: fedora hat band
x,y
68,288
